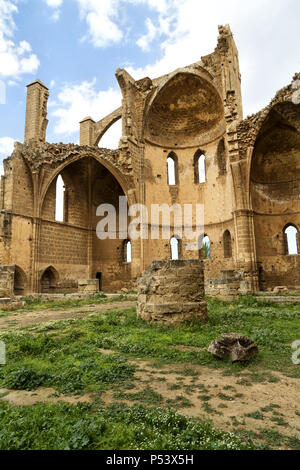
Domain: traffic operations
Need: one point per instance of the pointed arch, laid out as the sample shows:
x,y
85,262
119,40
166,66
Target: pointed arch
x,y
199,167
172,169
60,205
20,281
127,251
49,280
206,247
291,240
175,247
227,244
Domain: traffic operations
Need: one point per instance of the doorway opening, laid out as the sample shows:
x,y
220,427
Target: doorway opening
x,y
99,277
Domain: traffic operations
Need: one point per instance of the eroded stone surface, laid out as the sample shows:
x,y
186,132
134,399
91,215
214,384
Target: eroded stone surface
x,y
234,346
172,292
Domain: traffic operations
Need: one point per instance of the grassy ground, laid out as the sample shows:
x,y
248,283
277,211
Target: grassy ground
x,y
102,354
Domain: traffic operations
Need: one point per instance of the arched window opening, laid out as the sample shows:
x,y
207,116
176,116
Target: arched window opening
x,y
127,251
60,200
227,244
206,250
19,281
172,169
49,281
199,167
291,240
175,245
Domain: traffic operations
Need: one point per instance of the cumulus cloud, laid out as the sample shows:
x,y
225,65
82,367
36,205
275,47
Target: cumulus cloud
x,y
15,59
101,18
105,21
55,4
75,102
145,41
6,146
266,33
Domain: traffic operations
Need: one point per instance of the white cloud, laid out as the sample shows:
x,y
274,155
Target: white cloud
x,y
105,22
55,4
111,137
15,59
6,149
101,20
145,41
75,102
6,146
267,34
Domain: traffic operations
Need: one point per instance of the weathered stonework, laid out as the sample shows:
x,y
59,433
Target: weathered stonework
x,y
88,285
7,281
251,191
172,292
235,347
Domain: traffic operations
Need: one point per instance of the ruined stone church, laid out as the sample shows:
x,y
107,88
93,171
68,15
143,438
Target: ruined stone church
x,y
246,172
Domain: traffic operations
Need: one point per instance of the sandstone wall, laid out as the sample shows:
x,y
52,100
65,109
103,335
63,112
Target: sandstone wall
x,y
172,292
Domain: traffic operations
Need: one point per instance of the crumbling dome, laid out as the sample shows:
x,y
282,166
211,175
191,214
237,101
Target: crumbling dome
x,y
187,107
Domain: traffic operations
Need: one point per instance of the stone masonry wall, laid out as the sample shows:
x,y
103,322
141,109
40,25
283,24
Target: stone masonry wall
x,y
172,292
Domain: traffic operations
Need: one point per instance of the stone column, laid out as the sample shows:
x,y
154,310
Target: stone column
x,y
172,292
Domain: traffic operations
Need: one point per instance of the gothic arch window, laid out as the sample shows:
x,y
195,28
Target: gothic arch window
x,y
172,169
60,201
127,251
206,247
227,244
175,246
291,240
199,167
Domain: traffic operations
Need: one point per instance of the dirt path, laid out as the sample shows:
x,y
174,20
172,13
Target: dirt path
x,y
226,400
21,319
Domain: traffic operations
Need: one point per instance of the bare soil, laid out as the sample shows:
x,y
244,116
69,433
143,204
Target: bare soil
x,y
21,319
228,400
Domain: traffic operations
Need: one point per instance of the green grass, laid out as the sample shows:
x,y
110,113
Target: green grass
x,y
37,303
87,426
65,355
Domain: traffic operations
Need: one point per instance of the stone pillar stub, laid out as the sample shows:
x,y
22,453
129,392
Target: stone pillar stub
x,y
172,292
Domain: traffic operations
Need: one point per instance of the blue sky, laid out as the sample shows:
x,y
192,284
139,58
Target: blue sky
x,y
75,47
